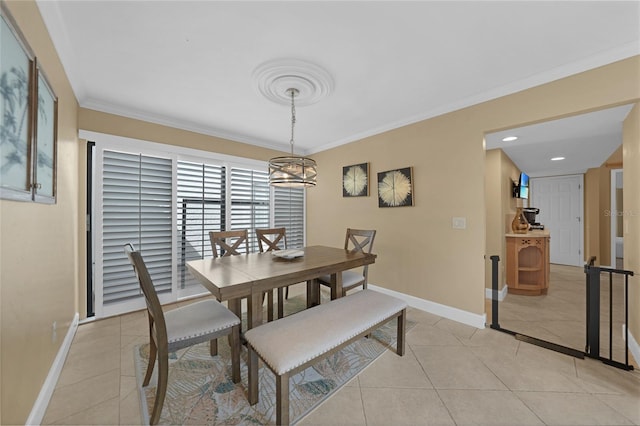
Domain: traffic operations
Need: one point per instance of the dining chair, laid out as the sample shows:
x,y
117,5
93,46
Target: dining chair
x,y
356,240
229,242
270,239
179,328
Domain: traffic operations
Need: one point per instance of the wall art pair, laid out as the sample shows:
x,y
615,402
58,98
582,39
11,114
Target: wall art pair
x,y
395,187
28,121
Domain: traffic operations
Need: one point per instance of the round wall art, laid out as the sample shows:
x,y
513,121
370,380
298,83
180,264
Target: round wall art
x,y
395,188
355,180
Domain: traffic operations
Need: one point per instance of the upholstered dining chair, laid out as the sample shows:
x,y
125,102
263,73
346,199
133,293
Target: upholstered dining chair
x,y
179,328
270,239
229,243
356,240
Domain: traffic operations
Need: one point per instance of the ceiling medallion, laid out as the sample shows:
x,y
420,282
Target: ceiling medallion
x,y
274,78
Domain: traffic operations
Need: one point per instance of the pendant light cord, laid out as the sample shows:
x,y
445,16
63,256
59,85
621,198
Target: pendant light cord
x,y
293,116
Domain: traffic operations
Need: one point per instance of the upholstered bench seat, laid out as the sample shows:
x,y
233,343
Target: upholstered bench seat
x,y
291,344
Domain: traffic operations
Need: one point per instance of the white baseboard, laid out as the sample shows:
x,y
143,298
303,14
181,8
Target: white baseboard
x,y
488,293
42,402
455,314
634,347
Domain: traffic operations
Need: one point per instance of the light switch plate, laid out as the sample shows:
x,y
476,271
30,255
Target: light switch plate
x,y
459,223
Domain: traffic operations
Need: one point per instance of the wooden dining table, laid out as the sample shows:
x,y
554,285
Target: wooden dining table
x,y
233,278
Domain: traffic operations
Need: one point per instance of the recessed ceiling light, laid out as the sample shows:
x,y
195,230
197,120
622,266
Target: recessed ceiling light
x,y
509,138
557,158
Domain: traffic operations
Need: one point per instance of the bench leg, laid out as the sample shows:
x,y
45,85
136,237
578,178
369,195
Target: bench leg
x,y
282,399
402,327
253,375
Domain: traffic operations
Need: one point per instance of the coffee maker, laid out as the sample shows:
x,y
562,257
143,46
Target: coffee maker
x,y
530,213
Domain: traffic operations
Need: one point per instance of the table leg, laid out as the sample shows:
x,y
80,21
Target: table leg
x,y
235,306
336,285
313,293
254,311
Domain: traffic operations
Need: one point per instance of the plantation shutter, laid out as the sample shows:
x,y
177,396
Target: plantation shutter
x,y
249,202
289,213
136,203
200,205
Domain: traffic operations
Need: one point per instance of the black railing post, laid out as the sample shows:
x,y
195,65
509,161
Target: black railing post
x,y
592,347
494,292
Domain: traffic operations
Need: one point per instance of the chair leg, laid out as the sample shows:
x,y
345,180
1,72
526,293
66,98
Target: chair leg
x,y
152,361
286,294
235,354
280,303
161,390
213,347
270,305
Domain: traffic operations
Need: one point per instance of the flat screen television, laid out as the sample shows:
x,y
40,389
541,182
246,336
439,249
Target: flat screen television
x,y
521,189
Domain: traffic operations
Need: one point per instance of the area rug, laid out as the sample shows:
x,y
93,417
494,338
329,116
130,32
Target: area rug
x,y
200,390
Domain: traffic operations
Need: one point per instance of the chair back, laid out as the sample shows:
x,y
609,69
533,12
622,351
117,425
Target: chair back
x,y
271,239
154,308
360,240
228,242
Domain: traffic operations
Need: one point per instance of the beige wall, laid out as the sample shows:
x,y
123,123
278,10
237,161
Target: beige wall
x,y
42,248
592,214
127,127
597,204
500,173
419,253
631,217
39,264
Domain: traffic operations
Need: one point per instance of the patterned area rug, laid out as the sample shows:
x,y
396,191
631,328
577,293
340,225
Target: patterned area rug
x,y
200,390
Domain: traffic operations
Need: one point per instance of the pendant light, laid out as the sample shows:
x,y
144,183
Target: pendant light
x,y
292,171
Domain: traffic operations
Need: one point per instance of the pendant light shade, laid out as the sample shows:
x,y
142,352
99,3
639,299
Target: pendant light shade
x,y
292,171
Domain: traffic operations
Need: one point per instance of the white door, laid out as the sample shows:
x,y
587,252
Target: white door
x,y
560,202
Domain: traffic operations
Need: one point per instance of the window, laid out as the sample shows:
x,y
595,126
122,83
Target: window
x,y
289,213
250,202
200,209
165,200
136,208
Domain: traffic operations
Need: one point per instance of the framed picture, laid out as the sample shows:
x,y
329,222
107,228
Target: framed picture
x,y
355,180
45,152
395,188
17,67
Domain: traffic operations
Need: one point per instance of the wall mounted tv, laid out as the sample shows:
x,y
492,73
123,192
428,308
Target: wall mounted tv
x,y
521,188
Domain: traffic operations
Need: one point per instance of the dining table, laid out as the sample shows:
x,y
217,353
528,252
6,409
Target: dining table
x,y
232,278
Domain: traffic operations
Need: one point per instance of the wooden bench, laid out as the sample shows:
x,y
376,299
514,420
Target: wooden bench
x,y
293,343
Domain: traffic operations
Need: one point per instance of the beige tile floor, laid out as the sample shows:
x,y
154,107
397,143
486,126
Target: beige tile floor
x,y
452,374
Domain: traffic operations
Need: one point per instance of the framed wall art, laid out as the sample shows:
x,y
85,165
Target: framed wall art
x,y
17,64
45,152
395,188
28,121
355,180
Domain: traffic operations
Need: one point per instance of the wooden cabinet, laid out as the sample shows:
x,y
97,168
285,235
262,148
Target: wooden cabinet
x,y
528,263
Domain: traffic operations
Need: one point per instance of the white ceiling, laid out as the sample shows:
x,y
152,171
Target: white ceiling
x,y
585,141
191,64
